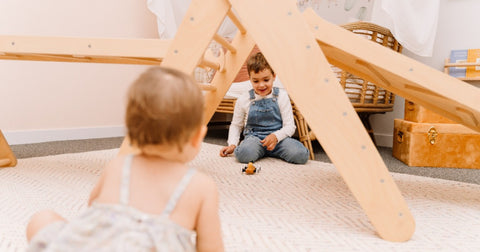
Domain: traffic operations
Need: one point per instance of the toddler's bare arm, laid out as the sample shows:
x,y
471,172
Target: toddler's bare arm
x,y
209,234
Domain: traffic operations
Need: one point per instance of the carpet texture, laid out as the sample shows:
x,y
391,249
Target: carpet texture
x,y
282,208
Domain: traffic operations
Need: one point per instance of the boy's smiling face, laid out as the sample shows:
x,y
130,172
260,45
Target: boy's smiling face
x,y
262,82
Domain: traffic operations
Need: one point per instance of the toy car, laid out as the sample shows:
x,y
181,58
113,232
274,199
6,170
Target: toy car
x,y
250,169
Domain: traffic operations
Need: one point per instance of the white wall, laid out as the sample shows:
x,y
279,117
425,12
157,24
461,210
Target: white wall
x,y
457,29
45,101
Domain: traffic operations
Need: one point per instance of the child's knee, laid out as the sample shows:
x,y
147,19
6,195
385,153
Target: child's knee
x,y
293,151
303,156
299,156
245,155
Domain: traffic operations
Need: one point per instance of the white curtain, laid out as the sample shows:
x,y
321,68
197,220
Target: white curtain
x,y
170,14
413,23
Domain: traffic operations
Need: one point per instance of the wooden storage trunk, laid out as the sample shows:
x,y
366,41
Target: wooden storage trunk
x,y
419,114
436,144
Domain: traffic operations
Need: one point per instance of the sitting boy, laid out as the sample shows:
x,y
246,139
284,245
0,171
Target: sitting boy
x,y
265,115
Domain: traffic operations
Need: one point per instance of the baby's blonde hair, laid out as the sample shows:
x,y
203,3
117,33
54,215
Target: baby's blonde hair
x,y
165,106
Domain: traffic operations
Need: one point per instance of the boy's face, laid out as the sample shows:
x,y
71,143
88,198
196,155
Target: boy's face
x,y
262,82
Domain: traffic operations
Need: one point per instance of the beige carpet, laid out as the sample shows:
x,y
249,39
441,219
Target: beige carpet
x,y
283,208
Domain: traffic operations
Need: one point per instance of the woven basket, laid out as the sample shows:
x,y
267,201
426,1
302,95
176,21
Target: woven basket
x,y
364,95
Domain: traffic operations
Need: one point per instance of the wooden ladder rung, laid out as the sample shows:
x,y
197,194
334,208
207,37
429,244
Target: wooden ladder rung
x,y
224,43
236,22
210,64
207,87
209,60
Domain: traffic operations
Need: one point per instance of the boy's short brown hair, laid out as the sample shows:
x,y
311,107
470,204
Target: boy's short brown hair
x,y
257,63
165,106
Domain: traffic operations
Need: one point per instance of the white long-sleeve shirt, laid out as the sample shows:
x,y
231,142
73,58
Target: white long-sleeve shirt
x,y
240,115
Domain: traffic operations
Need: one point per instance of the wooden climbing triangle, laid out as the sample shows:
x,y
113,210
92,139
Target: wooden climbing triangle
x,y
300,47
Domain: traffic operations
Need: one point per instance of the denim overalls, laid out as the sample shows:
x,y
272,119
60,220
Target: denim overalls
x,y
264,118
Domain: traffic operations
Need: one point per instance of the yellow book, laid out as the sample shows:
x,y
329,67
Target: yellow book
x,y
473,56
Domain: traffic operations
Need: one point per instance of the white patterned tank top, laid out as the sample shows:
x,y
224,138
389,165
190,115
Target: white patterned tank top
x,y
119,227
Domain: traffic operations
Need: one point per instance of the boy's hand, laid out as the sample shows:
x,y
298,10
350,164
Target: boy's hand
x,y
270,142
227,150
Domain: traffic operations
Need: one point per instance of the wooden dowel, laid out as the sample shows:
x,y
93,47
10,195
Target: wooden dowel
x,y
211,64
207,87
236,22
445,68
465,64
224,43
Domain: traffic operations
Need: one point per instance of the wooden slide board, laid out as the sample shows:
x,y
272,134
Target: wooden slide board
x,y
290,47
433,89
88,50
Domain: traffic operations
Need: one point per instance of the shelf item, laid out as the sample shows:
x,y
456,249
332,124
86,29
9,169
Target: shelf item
x,y
458,57
464,64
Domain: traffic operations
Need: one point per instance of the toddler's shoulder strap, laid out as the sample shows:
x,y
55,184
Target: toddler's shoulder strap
x,y
125,183
172,202
276,91
252,94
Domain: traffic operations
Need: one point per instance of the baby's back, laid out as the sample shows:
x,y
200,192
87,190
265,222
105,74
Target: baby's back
x,y
151,208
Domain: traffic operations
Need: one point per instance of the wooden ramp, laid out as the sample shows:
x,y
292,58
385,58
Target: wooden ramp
x,y
88,50
436,91
299,48
291,48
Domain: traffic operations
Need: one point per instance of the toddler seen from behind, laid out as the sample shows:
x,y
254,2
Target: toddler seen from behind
x,y
150,201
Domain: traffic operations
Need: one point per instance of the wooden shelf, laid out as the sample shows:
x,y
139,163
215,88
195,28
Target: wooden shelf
x,y
449,64
470,79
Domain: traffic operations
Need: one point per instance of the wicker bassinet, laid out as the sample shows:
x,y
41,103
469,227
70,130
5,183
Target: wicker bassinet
x,y
364,95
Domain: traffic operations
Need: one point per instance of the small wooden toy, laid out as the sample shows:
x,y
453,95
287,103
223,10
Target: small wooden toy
x,y
250,169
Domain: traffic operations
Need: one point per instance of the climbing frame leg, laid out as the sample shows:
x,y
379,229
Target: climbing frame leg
x,y
7,158
290,47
